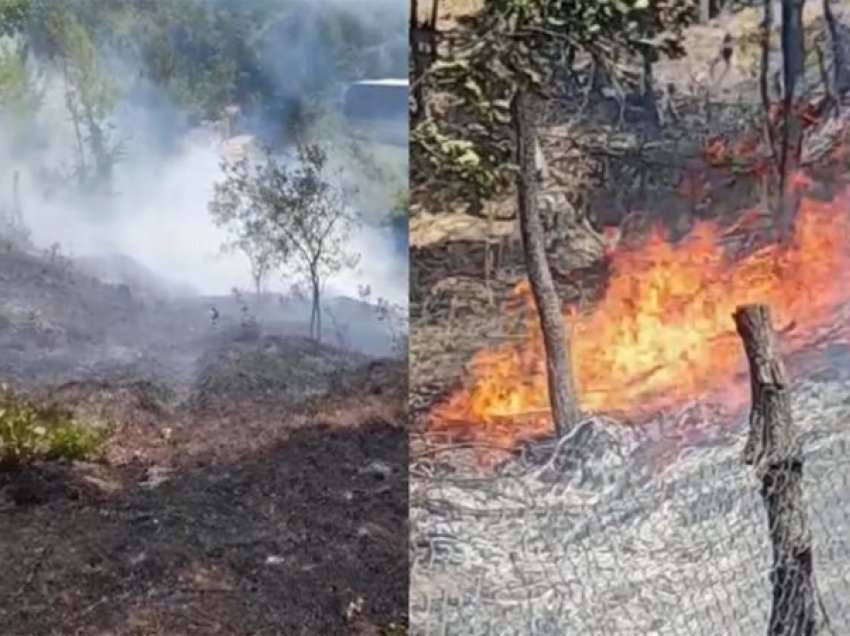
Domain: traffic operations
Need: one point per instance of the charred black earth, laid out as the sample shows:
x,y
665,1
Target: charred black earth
x,y
253,481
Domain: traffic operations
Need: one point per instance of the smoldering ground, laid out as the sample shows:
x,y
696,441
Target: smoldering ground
x,y
221,423
153,233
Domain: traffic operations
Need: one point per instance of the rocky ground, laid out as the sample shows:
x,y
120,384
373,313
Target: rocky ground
x,y
252,483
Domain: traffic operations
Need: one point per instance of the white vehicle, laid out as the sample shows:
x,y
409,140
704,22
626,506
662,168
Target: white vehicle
x,y
378,110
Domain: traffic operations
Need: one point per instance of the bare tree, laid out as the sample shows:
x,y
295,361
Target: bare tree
x,y
791,149
294,217
562,394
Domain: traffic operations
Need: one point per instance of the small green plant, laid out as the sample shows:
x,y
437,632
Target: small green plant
x,y
394,629
30,431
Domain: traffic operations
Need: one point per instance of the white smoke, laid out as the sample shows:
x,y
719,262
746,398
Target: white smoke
x,y
158,214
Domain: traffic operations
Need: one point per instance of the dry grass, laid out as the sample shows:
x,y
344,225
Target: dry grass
x,y
450,9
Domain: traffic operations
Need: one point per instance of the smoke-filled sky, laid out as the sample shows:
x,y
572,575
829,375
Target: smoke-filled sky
x,y
159,215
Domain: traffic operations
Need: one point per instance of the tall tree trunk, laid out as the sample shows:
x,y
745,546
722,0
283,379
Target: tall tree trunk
x,y
764,83
840,63
73,110
435,14
793,66
17,212
562,394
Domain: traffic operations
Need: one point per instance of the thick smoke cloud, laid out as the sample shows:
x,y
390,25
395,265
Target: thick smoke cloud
x,y
158,214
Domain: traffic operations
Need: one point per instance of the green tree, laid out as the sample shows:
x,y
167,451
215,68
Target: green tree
x,y
295,217
498,74
530,45
21,91
13,14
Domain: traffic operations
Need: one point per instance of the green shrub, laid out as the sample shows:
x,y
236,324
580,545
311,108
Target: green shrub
x,y
31,431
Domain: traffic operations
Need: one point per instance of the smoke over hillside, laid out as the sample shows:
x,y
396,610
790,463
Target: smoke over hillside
x,y
169,158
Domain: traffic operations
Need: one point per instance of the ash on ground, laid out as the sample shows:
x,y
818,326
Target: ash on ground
x,y
645,534
237,492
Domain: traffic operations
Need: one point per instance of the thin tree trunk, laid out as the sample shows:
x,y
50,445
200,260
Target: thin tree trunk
x,y
17,212
704,11
435,14
418,71
75,119
764,85
562,394
773,448
793,62
316,321
840,63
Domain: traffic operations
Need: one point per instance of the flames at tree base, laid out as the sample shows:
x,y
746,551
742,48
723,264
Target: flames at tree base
x,y
663,334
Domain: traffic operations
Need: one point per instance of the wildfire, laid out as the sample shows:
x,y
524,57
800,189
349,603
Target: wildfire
x,y
663,333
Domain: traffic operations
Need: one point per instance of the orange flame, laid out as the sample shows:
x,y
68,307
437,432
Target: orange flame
x,y
663,333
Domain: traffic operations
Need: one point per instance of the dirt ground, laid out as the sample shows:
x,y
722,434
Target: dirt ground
x,y
251,483
299,532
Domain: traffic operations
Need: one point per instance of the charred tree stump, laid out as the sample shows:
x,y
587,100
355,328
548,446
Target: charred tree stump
x,y
773,448
559,375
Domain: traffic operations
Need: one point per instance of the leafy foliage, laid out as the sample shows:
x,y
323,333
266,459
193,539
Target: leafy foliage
x,y
30,431
20,90
90,95
401,205
290,216
207,54
525,44
13,13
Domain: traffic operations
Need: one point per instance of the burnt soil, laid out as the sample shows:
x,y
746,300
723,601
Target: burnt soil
x,y
262,509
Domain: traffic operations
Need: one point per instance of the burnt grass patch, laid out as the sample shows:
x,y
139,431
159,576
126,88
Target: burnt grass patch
x,y
305,535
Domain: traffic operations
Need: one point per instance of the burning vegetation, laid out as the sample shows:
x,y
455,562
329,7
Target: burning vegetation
x,y
655,183
173,393
745,217
662,333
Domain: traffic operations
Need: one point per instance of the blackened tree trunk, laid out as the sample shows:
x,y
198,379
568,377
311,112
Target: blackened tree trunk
x,y
774,449
764,85
562,394
840,63
793,65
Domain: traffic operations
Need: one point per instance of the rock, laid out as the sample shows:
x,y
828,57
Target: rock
x,y
155,477
102,486
378,469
